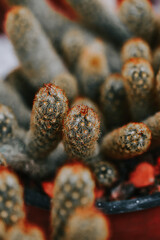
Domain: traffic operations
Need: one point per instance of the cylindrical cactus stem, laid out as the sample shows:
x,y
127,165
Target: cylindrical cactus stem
x,y
97,16
2,230
21,84
54,24
74,187
9,97
68,84
11,198
138,17
139,84
25,232
73,42
20,161
81,132
127,142
136,48
92,68
157,90
49,109
8,124
39,61
113,101
89,103
153,123
106,173
156,60
87,223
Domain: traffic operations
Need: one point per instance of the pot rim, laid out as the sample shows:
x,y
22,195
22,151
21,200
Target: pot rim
x,y
43,201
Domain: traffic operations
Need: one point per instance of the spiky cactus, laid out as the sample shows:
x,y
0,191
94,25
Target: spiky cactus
x,y
113,101
138,17
136,47
106,173
139,86
25,232
97,16
49,109
127,142
92,68
32,47
88,224
8,124
9,97
74,187
11,198
68,84
81,132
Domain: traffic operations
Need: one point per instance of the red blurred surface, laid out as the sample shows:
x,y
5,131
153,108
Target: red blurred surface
x,y
142,225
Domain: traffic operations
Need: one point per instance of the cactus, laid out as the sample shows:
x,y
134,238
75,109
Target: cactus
x,y
88,224
138,17
127,142
25,232
153,123
156,60
106,173
73,42
10,98
81,132
92,68
11,198
21,84
139,85
74,187
113,101
136,48
2,230
68,84
8,124
39,61
49,109
95,15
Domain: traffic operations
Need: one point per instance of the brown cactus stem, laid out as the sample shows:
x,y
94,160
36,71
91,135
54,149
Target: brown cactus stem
x,y
10,98
74,187
21,84
136,48
127,142
14,156
87,223
68,38
113,101
156,60
49,109
25,232
81,132
98,17
11,192
153,123
68,84
139,85
138,17
92,69
39,61
106,173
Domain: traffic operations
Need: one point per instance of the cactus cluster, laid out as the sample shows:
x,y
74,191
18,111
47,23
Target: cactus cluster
x,y
67,111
